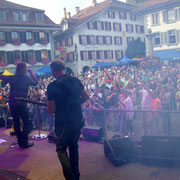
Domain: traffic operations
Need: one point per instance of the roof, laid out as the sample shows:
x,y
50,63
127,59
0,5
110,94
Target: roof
x,y
89,12
13,6
10,5
151,5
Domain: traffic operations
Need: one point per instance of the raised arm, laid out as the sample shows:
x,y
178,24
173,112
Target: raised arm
x,y
84,96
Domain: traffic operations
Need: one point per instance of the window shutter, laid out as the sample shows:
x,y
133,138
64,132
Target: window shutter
x,y
66,42
8,37
80,40
36,37
125,15
89,55
23,37
122,54
9,57
115,40
102,24
120,28
88,39
178,35
108,14
162,39
110,26
38,56
112,54
114,27
176,14
97,42
166,38
116,54
104,39
105,55
126,28
95,25
111,39
97,54
47,36
142,29
119,15
113,15
71,40
49,54
136,28
60,43
121,40
88,25
82,57
132,28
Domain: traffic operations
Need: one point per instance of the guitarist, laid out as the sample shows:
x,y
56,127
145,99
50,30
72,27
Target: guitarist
x,y
19,85
65,96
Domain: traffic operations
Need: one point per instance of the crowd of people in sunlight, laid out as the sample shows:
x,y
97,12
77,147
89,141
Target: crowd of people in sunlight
x,y
129,88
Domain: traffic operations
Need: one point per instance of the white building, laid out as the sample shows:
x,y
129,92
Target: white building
x,y
26,34
99,32
162,19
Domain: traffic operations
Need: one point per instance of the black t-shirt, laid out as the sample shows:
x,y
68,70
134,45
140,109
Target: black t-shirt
x,y
65,91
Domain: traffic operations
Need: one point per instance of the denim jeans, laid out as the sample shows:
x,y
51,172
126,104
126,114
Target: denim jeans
x,y
70,162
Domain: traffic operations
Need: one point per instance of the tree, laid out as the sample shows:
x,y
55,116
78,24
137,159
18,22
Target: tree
x,y
136,2
136,49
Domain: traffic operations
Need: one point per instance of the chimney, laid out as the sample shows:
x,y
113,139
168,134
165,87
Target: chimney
x,y
94,3
65,13
77,9
68,15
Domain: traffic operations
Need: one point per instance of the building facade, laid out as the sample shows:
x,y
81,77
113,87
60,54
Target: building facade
x,y
162,23
26,35
100,32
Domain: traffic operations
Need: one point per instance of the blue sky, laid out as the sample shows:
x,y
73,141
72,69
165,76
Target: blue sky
x,y
54,8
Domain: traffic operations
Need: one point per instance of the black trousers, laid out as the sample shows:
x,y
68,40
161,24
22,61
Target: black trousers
x,y
20,111
70,163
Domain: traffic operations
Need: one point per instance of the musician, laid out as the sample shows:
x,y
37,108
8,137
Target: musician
x,y
65,96
19,85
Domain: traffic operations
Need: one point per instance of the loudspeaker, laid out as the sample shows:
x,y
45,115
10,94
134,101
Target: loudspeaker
x,y
120,150
161,150
92,133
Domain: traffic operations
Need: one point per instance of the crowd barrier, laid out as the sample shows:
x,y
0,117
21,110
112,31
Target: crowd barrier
x,y
134,123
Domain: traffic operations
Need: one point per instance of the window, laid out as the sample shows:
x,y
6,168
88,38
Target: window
x,y
108,40
99,40
92,39
41,35
44,54
17,55
2,56
129,40
63,43
28,35
70,43
129,28
101,54
99,25
156,39
117,40
71,56
109,54
40,17
111,14
83,40
91,25
20,16
14,35
133,17
118,54
84,55
122,15
31,54
117,27
107,26
171,15
65,26
155,18
172,36
2,15
138,29
93,53
2,36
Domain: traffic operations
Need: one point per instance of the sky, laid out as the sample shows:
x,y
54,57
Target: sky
x,y
54,8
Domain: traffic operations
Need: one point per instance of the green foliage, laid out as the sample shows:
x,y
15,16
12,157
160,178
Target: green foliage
x,y
136,2
136,49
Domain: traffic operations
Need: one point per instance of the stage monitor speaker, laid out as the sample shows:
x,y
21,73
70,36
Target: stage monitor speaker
x,y
120,150
161,150
92,133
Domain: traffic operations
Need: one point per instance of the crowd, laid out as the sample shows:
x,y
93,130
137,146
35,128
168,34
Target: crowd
x,y
121,88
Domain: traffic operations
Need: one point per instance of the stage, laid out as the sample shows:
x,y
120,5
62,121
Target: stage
x,y
40,162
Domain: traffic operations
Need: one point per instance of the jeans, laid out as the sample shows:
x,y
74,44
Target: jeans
x,y
70,163
20,111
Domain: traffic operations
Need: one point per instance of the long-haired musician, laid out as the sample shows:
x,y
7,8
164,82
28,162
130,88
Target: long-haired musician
x,y
19,85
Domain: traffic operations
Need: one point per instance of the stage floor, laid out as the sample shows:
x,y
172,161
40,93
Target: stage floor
x,y
40,162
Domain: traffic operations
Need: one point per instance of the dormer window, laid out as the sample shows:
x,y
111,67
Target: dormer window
x,y
20,16
2,15
40,17
65,26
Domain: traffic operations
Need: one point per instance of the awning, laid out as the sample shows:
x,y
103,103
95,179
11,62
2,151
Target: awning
x,y
172,54
6,73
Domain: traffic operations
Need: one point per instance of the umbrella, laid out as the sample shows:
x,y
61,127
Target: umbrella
x,y
104,64
37,73
45,70
6,73
124,61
